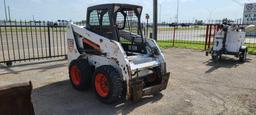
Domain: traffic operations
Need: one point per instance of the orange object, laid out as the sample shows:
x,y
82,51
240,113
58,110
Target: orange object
x,y
90,43
75,75
101,84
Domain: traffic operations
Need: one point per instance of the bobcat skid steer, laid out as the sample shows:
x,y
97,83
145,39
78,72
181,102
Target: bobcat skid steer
x,y
229,40
111,55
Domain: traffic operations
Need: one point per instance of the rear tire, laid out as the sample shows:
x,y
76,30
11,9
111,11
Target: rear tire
x,y
80,74
108,84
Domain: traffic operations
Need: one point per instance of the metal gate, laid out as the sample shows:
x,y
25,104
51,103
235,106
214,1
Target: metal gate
x,y
211,29
31,40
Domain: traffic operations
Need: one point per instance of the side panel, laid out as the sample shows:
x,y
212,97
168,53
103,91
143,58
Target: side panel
x,y
110,49
160,58
72,52
218,39
234,41
98,61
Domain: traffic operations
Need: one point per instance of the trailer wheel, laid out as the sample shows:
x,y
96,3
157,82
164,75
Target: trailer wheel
x,y
80,74
243,56
108,84
216,58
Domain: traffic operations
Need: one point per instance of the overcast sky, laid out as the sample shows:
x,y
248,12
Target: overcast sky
x,y
76,9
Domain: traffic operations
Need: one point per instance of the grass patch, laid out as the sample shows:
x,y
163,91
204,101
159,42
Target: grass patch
x,y
252,51
181,44
182,28
198,45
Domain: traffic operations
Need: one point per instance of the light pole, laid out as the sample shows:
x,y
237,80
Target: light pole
x,y
147,17
9,13
160,13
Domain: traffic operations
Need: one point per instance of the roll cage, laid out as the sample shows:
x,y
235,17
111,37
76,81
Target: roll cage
x,y
116,21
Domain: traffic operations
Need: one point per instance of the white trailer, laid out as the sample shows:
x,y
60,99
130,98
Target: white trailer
x,y
229,40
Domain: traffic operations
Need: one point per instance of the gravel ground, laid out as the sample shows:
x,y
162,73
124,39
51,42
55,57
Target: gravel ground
x,y
197,86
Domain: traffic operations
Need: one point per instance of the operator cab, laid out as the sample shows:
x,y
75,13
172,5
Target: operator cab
x,y
119,22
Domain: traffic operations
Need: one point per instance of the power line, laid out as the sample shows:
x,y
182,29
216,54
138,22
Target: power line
x,y
238,2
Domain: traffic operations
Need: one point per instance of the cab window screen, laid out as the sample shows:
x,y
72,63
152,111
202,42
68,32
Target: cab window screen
x,y
94,18
106,21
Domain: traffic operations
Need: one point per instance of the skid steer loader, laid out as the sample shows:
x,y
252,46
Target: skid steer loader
x,y
111,55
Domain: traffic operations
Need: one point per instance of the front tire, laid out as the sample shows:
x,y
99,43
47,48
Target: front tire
x,y
243,56
216,57
108,84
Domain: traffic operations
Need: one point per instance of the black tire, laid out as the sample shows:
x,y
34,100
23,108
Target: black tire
x,y
216,58
85,72
243,56
115,84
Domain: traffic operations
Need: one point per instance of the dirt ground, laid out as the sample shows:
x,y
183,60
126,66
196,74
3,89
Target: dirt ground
x,y
197,86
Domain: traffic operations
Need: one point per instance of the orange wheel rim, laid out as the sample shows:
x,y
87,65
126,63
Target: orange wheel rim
x,y
75,75
101,85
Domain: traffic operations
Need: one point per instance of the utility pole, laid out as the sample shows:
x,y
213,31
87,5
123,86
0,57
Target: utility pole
x,y
210,15
155,19
9,13
5,11
178,7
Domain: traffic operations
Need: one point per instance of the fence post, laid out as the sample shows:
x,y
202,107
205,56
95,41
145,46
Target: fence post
x,y
210,36
206,36
49,41
174,35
